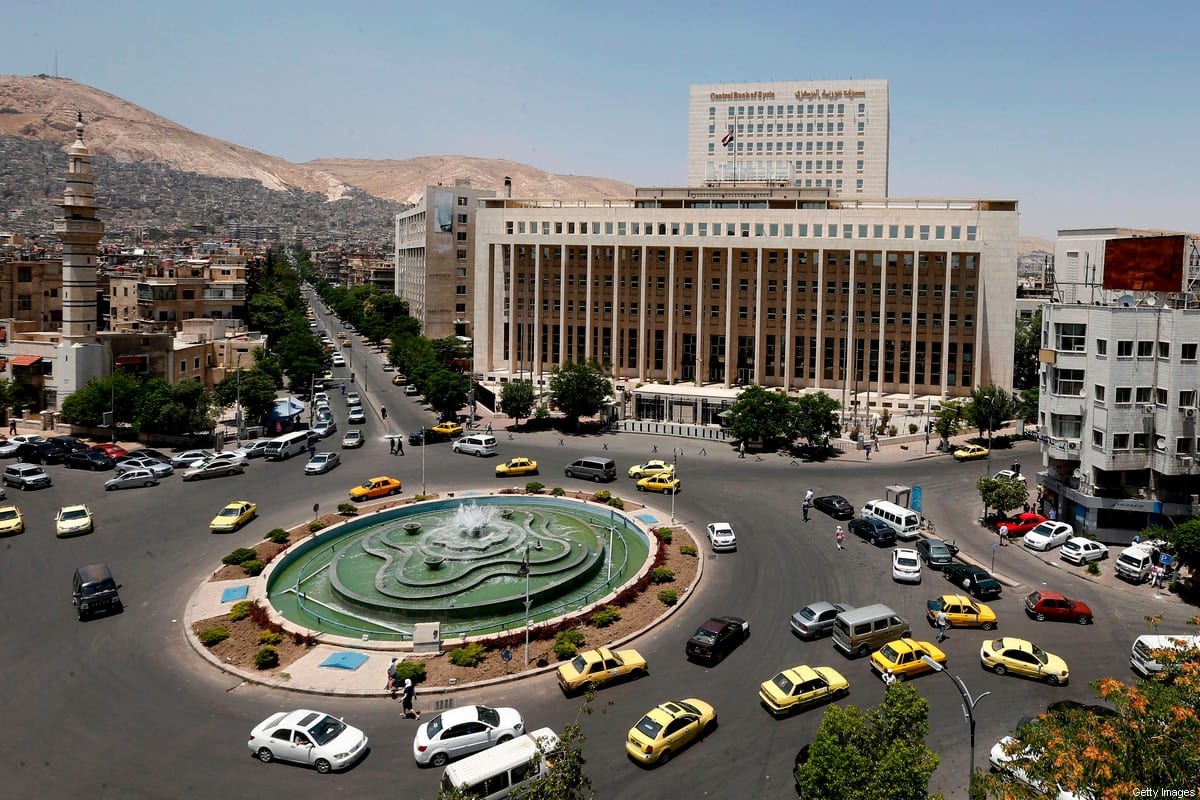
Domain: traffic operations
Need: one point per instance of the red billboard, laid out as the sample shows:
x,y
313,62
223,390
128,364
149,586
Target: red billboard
x,y
1144,264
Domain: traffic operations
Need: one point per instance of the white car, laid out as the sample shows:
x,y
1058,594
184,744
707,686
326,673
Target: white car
x,y
72,520
190,458
161,469
132,479
1079,550
254,449
9,447
325,427
1048,535
321,463
906,565
339,360
1008,474
468,729
352,399
307,737
356,416
321,397
721,536
1001,761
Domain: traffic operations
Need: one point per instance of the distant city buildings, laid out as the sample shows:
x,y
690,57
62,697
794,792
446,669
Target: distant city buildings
x,y
824,135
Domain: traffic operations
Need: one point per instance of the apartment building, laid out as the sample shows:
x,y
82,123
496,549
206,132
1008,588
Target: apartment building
x,y
1120,385
173,290
826,135
435,258
910,301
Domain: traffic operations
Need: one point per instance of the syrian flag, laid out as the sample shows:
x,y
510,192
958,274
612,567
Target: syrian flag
x,y
728,140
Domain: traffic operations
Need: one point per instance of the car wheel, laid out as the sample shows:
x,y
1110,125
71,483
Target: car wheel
x,y
1083,620
455,449
322,766
999,669
265,755
394,491
709,727
596,478
439,760
505,738
641,488
1052,680
1040,617
534,472
668,491
568,473
479,453
147,484
110,488
664,757
864,651
987,626
840,693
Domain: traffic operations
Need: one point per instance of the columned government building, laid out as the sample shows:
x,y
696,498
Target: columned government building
x,y
911,299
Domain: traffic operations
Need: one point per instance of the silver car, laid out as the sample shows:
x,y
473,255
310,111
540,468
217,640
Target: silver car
x,y
190,458
218,466
321,463
132,479
160,469
816,619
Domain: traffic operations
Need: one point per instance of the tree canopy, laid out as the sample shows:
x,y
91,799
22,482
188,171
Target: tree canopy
x,y
1025,352
516,398
989,407
764,415
579,388
1003,494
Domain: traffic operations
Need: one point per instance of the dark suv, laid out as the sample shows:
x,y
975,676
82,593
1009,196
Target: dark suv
x,y
94,591
875,531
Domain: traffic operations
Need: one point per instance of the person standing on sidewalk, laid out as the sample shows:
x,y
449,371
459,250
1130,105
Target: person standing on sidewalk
x,y
840,536
1003,531
741,450
804,510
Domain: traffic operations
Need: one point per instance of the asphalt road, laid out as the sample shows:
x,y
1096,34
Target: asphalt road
x,y
119,707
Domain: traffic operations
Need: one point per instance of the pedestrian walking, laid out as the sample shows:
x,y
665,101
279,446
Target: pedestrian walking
x,y
343,387
383,412
1053,514
489,427
1156,576
840,536
1003,531
391,677
391,446
943,623
741,450
406,700
888,678
1027,508
868,449
400,444
12,427
312,449
804,510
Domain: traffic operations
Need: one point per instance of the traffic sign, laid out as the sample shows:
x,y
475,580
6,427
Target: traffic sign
x,y
506,655
916,498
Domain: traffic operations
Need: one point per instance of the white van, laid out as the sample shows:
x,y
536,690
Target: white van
x,y
286,446
1144,663
493,773
903,521
1134,562
477,444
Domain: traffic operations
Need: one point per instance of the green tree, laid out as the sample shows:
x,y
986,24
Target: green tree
x,y
118,392
447,349
579,388
1027,403
447,392
409,351
516,398
1002,494
761,414
257,394
1184,541
989,407
174,409
1025,353
879,753
948,420
302,358
268,313
814,418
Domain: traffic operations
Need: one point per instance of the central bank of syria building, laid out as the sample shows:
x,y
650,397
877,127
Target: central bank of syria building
x,y
912,300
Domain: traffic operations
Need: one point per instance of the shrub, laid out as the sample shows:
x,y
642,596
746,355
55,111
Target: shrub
x,y
315,526
891,430
664,534
239,556
417,498
270,637
278,536
567,642
347,508
602,496
617,503
1092,568
606,616
304,639
543,412
912,427
662,575
414,670
688,550
214,635
533,487
240,610
558,491
668,597
468,655
253,567
266,657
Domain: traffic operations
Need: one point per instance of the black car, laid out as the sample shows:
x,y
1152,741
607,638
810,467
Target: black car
x,y
875,531
47,452
89,459
716,638
427,436
935,553
835,506
69,443
975,580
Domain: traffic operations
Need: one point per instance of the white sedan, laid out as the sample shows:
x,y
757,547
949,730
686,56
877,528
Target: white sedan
x,y
321,463
190,458
161,469
1048,535
307,737
1079,550
721,536
353,399
467,729
9,447
906,565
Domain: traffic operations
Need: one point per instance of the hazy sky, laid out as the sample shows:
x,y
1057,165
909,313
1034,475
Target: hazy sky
x,y
1087,113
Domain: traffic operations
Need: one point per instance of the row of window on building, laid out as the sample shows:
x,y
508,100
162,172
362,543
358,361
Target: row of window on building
x,y
1070,382
811,128
1072,338
746,285
793,109
818,230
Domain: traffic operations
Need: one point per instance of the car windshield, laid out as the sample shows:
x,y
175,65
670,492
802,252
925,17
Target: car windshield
x,y
74,513
230,512
704,636
326,730
8,514
368,485
649,727
1041,655
889,653
807,613
490,716
579,664
783,682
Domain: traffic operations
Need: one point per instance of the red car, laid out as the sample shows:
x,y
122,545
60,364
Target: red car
x,y
1021,524
113,451
1044,605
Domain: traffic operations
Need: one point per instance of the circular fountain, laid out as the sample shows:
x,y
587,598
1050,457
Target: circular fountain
x,y
468,563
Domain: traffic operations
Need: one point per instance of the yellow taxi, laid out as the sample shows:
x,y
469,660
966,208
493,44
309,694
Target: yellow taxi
x,y
345,343
448,428
342,335
961,612
655,466
902,659
598,667
233,516
372,488
1021,657
517,466
971,452
399,380
795,688
664,482
11,520
668,728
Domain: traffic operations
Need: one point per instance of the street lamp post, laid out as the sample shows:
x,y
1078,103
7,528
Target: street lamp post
x,y
523,571
423,461
969,704
674,474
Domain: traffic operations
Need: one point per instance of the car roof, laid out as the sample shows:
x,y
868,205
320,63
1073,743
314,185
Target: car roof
x,y
905,551
453,716
801,673
961,599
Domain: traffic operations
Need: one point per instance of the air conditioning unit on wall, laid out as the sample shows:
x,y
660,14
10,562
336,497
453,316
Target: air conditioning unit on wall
x,y
1147,409
1189,412
1072,445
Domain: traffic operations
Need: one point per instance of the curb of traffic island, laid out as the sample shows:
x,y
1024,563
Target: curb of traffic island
x,y
189,618
1011,583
